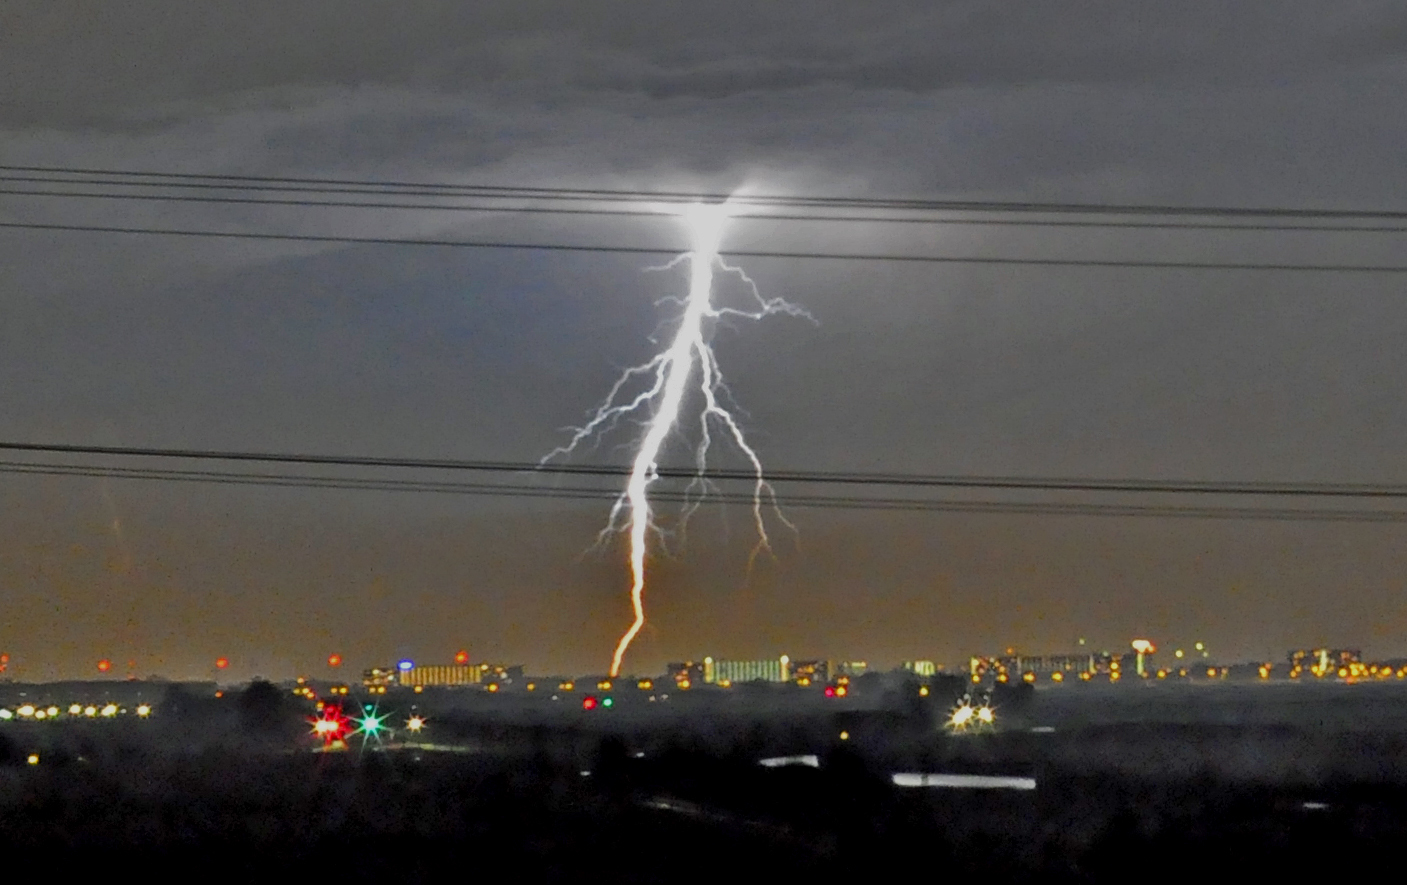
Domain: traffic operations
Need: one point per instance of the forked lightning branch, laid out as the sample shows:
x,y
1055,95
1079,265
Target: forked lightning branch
x,y
687,366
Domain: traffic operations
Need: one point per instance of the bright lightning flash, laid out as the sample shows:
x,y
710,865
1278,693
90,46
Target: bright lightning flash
x,y
689,356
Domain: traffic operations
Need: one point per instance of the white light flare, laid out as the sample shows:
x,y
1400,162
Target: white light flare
x,y
670,372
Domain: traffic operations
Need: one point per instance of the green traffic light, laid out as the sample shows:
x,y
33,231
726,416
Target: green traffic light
x,y
607,702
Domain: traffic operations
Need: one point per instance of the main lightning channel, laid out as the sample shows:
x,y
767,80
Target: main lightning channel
x,y
670,372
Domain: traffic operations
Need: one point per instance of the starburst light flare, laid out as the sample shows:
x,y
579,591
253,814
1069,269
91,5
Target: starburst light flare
x,y
668,374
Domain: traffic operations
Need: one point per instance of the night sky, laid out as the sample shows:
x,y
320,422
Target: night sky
x,y
461,353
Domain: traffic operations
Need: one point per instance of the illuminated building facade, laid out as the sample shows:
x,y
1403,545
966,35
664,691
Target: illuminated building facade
x,y
921,668
452,674
443,674
850,668
721,672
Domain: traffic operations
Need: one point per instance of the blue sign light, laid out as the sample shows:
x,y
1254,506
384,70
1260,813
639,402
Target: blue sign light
x,y
405,665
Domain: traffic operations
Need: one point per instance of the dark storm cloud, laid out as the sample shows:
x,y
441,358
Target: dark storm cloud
x,y
1133,98
76,61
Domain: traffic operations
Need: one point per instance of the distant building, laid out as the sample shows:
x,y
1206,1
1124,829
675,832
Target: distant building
x,y
442,674
921,668
686,674
850,668
806,673
459,674
722,672
1323,661
499,673
378,677
1015,666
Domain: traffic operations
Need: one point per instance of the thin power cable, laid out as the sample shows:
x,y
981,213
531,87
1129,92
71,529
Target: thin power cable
x,y
948,221
807,501
1091,263
778,477
747,199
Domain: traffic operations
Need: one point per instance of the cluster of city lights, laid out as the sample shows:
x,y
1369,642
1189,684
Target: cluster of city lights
x,y
1351,670
335,728
36,713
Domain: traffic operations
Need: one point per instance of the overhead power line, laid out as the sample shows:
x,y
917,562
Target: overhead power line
x,y
1219,487
256,182
815,477
734,253
319,198
846,502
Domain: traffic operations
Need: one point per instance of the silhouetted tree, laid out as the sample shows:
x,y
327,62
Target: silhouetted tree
x,y
262,707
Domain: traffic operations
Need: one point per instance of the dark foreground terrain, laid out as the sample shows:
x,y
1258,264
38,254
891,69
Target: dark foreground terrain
x,y
1150,795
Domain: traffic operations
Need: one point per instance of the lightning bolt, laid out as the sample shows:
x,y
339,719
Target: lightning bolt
x,y
668,374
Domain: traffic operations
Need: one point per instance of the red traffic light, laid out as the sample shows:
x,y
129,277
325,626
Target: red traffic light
x,y
104,665
461,657
334,660
589,702
830,691
222,663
